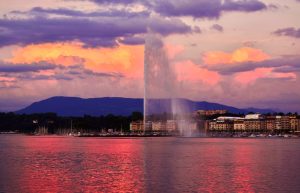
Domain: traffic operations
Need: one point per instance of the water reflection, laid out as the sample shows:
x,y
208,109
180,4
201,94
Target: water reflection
x,y
219,165
56,164
71,165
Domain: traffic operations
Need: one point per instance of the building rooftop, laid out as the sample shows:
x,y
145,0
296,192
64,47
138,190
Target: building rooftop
x,y
253,116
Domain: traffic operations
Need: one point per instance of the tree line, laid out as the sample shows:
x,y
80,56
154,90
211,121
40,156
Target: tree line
x,y
29,123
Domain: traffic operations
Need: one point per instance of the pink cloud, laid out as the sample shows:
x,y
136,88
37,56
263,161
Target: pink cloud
x,y
173,50
189,71
251,76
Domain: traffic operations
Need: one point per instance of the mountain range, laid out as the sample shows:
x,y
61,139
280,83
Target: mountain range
x,y
74,106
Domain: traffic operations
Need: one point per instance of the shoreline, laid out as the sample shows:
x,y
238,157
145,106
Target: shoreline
x,y
158,136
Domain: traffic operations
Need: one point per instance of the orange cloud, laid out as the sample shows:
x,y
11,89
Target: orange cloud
x,y
244,54
251,76
122,59
188,71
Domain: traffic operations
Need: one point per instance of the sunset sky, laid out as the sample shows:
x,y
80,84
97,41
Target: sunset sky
x,y
244,53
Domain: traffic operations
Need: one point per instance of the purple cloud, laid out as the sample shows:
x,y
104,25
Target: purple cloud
x,y
167,26
197,9
101,32
291,62
287,69
39,11
204,8
81,71
124,2
132,40
31,72
290,31
20,68
217,27
33,77
243,5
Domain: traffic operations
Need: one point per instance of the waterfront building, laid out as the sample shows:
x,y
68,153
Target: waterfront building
x,y
221,125
171,125
270,122
159,126
239,125
148,126
253,116
224,118
224,123
136,126
211,112
295,124
254,124
212,125
282,123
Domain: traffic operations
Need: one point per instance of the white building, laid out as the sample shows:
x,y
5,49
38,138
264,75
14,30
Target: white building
x,y
253,116
171,125
222,118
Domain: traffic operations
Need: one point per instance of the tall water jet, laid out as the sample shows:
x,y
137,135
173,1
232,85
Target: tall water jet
x,y
161,89
159,77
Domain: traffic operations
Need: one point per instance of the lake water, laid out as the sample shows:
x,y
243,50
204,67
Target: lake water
x,y
70,164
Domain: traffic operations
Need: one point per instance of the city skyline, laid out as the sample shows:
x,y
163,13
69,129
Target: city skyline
x,y
242,53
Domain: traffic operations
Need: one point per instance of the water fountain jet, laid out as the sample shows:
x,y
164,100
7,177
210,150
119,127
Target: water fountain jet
x,y
161,84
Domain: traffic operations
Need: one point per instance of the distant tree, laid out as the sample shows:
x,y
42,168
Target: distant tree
x,y
135,116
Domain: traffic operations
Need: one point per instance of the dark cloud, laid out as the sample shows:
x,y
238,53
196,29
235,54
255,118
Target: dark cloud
x,y
39,11
168,26
65,73
34,76
291,62
101,32
18,68
243,5
290,31
287,69
123,2
126,3
132,40
217,27
197,9
204,8
81,71
104,28
102,74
